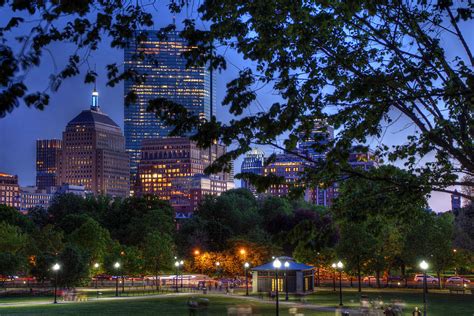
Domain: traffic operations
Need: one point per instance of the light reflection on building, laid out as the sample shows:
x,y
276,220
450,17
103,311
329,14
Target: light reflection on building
x,y
173,169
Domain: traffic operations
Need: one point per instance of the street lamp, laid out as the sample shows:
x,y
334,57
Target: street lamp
x,y
181,263
96,266
176,264
56,268
340,266
276,265
424,266
246,266
287,265
334,266
117,267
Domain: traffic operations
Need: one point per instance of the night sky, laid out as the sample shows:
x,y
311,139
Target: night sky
x,y
20,129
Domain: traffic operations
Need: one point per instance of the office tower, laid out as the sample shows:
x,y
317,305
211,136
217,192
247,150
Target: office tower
x,y
314,145
252,163
48,154
93,153
362,157
166,77
9,190
173,169
456,201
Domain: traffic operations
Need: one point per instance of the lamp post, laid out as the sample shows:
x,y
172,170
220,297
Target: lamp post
x,y
340,266
180,264
424,266
117,267
276,265
334,266
56,268
246,266
287,265
176,264
96,266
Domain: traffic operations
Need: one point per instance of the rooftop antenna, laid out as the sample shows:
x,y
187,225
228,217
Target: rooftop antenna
x,y
95,95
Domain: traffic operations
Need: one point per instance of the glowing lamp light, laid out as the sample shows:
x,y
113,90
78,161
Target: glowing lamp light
x,y
287,264
96,265
424,265
56,267
246,265
334,266
340,265
181,262
196,252
176,264
277,264
242,251
116,265
218,263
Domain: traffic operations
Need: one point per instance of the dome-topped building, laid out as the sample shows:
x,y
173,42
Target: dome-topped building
x,y
94,154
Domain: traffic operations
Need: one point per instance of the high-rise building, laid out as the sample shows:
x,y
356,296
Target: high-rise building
x,y
48,154
160,60
314,145
173,169
93,153
9,190
456,201
290,168
252,163
363,158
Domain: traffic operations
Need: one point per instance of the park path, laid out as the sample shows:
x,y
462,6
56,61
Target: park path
x,y
306,306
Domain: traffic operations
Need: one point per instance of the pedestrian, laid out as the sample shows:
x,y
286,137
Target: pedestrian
x,y
416,312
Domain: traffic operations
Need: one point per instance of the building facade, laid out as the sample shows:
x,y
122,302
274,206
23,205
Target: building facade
x,y
167,77
9,190
173,169
315,144
33,197
48,155
252,163
93,154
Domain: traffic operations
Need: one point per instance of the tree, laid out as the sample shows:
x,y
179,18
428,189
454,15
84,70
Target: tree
x,y
74,266
355,245
157,253
91,238
361,66
12,243
388,214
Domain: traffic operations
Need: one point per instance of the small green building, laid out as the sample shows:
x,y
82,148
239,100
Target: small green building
x,y
300,277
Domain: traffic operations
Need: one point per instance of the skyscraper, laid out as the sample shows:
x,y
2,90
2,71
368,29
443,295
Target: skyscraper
x,y
314,145
166,77
93,153
252,163
48,154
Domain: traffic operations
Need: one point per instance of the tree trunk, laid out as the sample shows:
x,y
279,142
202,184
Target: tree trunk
x,y
439,279
359,285
156,281
377,275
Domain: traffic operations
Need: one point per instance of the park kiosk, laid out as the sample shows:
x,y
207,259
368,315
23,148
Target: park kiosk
x,y
294,277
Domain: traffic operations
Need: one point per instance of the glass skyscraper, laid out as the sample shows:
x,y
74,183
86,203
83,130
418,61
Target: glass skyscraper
x,y
166,76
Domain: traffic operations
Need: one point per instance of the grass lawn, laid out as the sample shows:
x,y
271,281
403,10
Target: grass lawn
x,y
148,306
439,304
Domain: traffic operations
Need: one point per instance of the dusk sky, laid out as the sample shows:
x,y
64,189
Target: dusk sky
x,y
20,129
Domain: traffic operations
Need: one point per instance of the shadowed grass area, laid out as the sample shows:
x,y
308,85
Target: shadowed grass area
x,y
149,306
439,304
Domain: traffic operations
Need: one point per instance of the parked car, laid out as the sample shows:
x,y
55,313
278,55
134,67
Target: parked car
x,y
429,278
370,278
457,279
